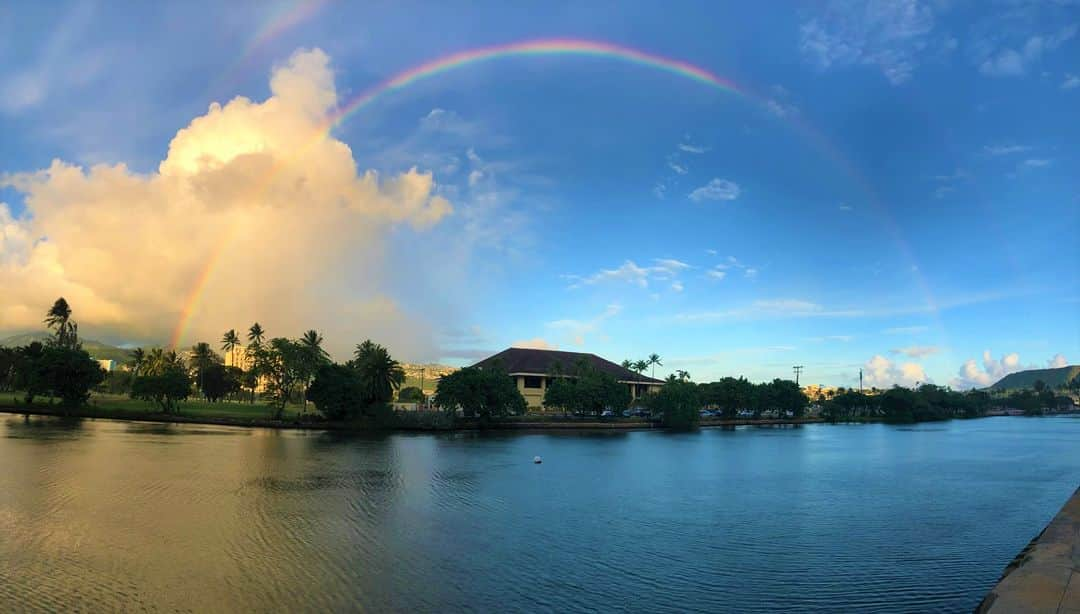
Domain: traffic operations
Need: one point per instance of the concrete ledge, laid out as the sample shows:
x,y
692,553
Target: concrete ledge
x,y
1045,576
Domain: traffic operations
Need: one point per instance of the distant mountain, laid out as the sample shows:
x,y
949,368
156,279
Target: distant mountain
x,y
1054,378
96,349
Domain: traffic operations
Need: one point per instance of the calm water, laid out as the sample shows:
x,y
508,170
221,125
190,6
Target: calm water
x,y
111,515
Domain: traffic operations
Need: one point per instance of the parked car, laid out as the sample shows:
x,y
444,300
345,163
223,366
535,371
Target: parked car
x,y
707,413
607,413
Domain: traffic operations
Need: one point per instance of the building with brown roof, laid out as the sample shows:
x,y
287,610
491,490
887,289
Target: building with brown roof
x,y
533,369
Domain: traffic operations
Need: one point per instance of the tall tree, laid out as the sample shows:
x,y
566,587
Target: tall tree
x,y
229,342
256,335
654,359
313,356
641,365
201,359
138,359
65,331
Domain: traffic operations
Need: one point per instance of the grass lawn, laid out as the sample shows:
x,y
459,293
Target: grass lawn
x,y
192,408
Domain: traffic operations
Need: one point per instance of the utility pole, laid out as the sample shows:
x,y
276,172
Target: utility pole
x,y
797,369
860,381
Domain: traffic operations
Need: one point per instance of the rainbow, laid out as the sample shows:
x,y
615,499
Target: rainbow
x,y
550,47
287,16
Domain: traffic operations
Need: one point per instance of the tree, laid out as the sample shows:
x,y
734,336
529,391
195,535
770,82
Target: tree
x,y
410,394
70,373
1039,386
678,403
138,358
654,359
229,342
337,392
588,391
486,393
28,374
65,331
313,357
255,335
281,362
8,357
162,380
202,358
627,364
220,381
380,373
641,366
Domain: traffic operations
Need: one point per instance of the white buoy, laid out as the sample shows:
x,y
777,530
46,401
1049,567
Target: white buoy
x,y
537,460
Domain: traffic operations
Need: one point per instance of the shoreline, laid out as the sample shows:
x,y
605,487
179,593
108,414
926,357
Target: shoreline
x,y
464,425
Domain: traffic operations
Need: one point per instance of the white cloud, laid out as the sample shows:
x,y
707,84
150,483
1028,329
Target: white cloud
x,y
677,286
694,149
887,34
660,191
1002,150
1057,362
750,272
917,351
256,193
536,343
717,273
578,331
717,189
1071,81
844,207
678,168
880,372
905,330
663,269
971,376
999,59
1036,162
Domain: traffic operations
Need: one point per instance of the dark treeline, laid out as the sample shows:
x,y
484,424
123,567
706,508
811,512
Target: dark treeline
x,y
280,371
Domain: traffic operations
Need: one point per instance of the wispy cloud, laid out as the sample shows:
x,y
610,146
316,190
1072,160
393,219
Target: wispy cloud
x,y
1003,150
694,149
905,330
717,189
917,351
889,35
1036,162
1071,81
578,330
678,168
1003,54
662,269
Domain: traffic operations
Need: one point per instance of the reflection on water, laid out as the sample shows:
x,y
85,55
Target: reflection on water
x,y
102,515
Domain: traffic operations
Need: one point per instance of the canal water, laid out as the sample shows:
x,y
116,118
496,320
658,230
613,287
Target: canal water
x,y
102,515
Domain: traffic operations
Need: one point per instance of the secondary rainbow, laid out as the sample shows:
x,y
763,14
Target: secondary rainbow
x,y
548,47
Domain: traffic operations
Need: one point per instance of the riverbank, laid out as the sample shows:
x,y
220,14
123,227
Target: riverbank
x,y
246,416
1045,576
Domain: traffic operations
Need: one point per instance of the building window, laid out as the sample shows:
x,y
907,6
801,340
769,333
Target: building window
x,y
533,381
642,390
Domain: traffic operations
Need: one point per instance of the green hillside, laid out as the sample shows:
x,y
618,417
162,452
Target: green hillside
x,y
97,349
1054,378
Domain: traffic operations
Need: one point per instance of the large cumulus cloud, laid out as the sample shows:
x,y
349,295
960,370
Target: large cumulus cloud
x,y
297,231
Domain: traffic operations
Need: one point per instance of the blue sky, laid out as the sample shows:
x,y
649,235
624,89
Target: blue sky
x,y
900,192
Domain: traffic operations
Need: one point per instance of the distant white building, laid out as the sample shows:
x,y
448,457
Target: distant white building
x,y
108,365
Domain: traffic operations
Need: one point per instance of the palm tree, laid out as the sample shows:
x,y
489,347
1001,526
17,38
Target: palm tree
x,y
138,359
641,365
381,374
256,334
229,342
627,364
59,318
202,357
654,359
313,358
